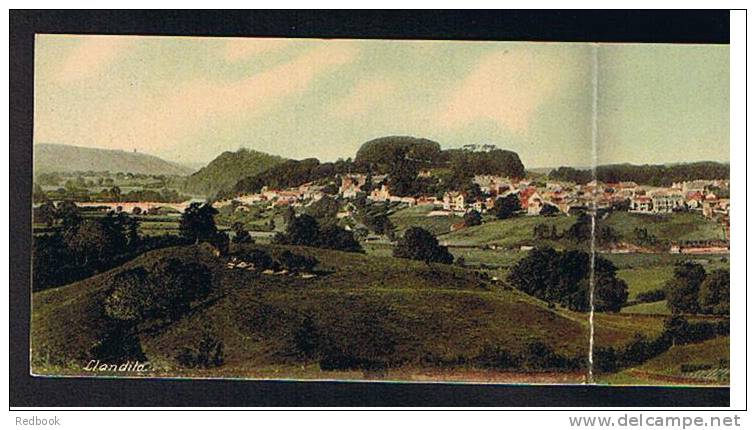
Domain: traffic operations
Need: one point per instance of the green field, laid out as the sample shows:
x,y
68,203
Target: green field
x,y
507,233
644,279
654,308
666,368
668,227
418,217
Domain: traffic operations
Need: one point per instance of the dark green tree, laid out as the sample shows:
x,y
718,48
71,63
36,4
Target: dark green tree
x,y
419,244
472,218
302,230
682,291
335,237
45,213
549,210
507,206
241,235
715,293
198,222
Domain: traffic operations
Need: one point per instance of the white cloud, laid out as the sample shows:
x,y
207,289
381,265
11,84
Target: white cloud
x,y
92,56
505,87
164,119
237,49
363,97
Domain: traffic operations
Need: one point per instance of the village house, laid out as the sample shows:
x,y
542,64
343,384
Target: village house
x,y
694,200
535,203
641,204
351,185
492,185
380,194
524,196
454,201
667,201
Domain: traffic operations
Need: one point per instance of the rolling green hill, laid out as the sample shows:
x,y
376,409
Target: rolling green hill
x,y
67,158
227,169
429,316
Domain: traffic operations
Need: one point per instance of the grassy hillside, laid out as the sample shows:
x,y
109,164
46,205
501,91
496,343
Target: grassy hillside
x,y
507,232
710,357
438,314
418,217
66,158
668,227
653,308
644,279
227,169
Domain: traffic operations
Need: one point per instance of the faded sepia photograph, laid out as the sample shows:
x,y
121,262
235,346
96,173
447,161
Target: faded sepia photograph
x,y
381,210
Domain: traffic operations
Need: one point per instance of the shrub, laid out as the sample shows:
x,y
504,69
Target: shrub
x,y
131,297
688,367
540,356
164,291
419,244
682,290
294,262
496,357
651,296
206,354
261,259
507,206
714,295
472,218
335,237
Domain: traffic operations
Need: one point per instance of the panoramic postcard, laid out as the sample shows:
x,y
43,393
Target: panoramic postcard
x,y
435,211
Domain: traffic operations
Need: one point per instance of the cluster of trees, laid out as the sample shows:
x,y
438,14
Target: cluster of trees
x,y
472,218
304,230
649,174
691,290
381,154
278,260
571,174
165,290
78,246
112,194
563,277
420,244
401,158
537,356
287,174
376,218
507,206
677,331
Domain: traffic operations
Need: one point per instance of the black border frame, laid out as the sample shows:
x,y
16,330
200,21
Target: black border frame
x,y
661,26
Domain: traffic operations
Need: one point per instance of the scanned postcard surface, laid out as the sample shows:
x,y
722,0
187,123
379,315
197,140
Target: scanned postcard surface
x,y
499,212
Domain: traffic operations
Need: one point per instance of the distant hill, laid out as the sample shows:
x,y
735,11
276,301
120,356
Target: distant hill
x,y
227,169
67,158
646,174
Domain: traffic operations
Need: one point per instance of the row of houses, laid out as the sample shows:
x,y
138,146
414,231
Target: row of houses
x,y
567,198
295,196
